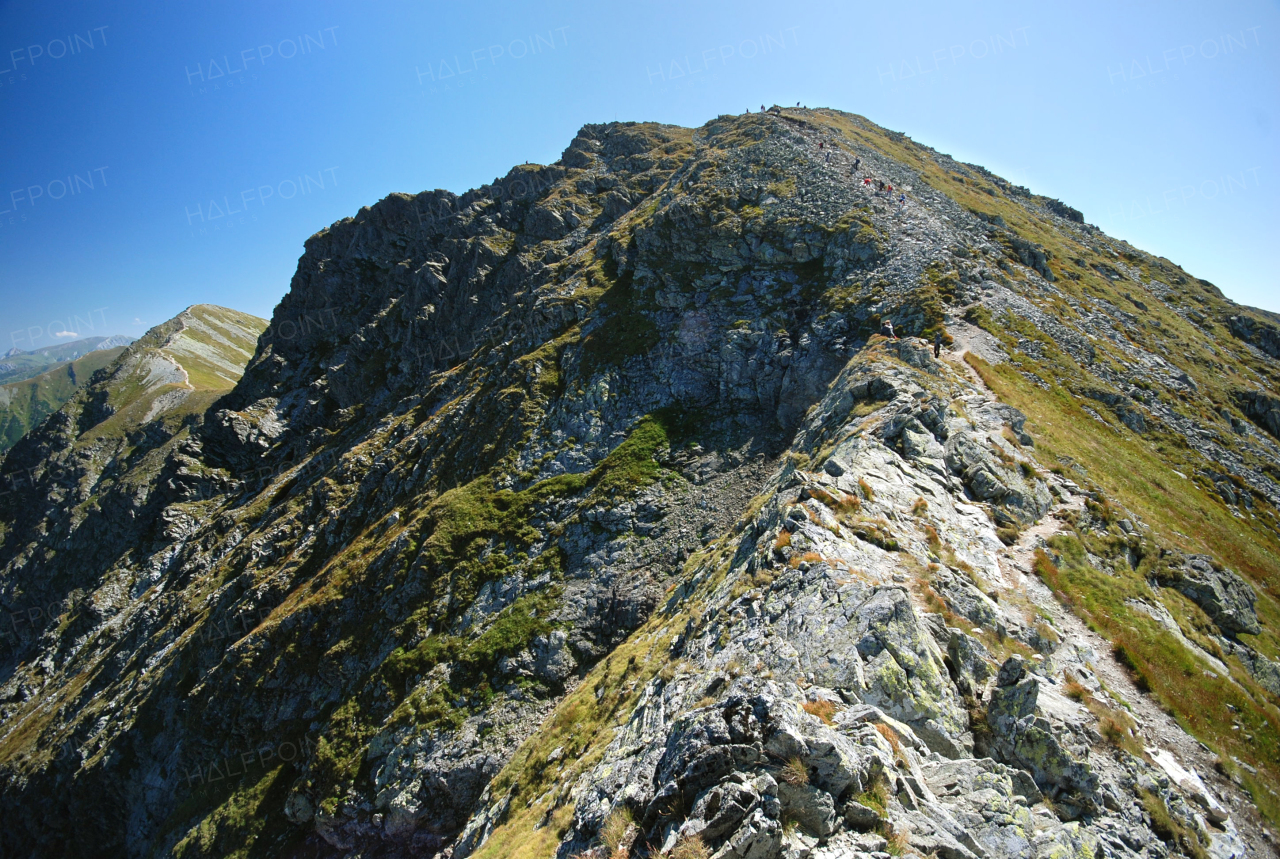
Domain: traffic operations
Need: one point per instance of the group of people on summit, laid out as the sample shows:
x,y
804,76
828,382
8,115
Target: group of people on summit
x,y
882,187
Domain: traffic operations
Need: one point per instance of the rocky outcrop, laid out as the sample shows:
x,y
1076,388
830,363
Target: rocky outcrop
x,y
1024,739
1227,599
1062,210
1263,335
1262,408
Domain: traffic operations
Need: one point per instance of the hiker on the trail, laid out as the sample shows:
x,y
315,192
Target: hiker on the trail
x,y
866,180
828,157
857,162
886,329
902,199
881,181
937,343
889,188
819,144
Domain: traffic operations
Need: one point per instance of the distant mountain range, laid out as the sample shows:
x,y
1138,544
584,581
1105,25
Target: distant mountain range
x,y
17,365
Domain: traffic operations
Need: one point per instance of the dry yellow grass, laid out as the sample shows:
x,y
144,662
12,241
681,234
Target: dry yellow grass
x,y
824,710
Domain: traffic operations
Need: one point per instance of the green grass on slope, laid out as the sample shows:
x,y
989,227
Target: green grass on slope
x,y
1141,475
216,345
25,404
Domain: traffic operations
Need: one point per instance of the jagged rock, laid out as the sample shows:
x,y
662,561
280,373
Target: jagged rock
x,y
1062,210
968,662
859,816
1265,671
811,806
719,810
986,476
1256,332
760,837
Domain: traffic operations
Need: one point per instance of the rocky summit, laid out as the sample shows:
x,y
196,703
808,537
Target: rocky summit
x,y
777,488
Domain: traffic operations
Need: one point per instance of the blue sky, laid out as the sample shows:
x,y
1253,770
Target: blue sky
x,y
129,128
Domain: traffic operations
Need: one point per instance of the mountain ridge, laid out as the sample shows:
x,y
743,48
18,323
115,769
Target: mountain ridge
x,y
670,452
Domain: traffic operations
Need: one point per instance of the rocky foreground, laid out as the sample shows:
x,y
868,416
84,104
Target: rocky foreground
x,y
589,514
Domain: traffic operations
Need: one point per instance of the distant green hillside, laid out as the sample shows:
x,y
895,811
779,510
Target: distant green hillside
x,y
25,404
20,366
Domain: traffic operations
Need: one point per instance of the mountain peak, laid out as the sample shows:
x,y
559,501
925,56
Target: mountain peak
x,y
778,487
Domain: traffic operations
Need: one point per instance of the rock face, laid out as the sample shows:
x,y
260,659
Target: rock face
x,y
1262,408
588,514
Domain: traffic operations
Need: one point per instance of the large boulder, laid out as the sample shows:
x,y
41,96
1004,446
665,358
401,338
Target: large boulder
x,y
1023,739
905,675
1225,597
987,477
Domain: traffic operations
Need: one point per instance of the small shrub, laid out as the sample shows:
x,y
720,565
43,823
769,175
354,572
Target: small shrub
x,y
824,710
867,492
809,557
876,796
1028,470
1170,830
1046,632
978,724
1112,730
784,540
614,832
843,503
1125,658
1008,534
1074,690
931,536
794,772
899,838
920,507
876,532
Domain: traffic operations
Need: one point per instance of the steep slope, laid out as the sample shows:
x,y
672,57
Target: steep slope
x,y
588,513
112,438
17,364
25,404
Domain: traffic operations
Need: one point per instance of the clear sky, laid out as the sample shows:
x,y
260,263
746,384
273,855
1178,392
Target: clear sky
x,y
156,155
